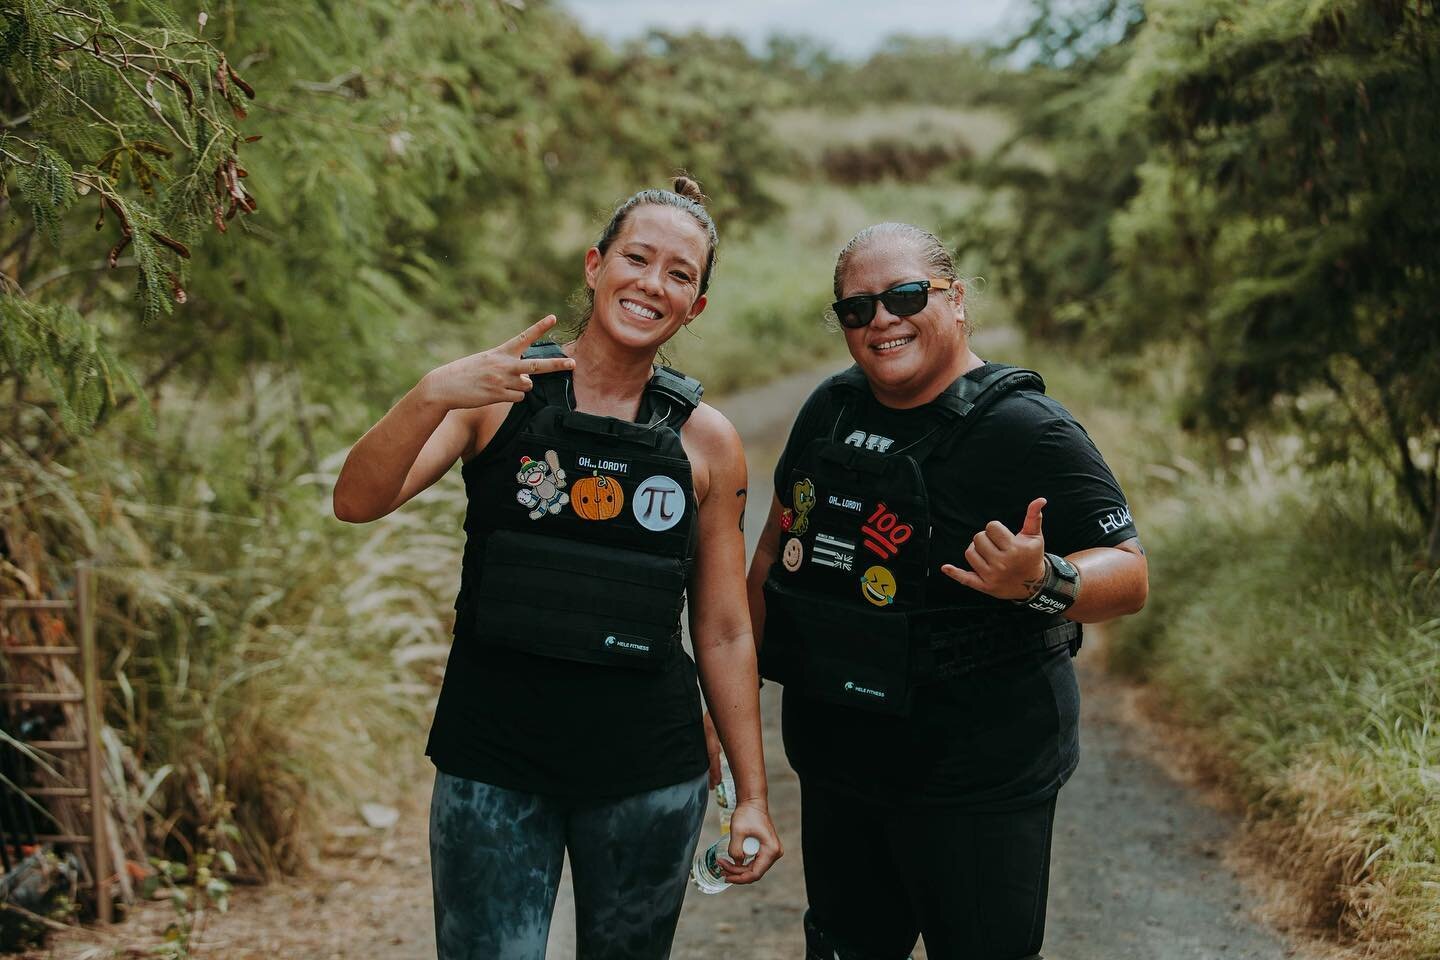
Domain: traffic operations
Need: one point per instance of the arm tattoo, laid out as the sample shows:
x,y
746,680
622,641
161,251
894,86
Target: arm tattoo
x,y
740,494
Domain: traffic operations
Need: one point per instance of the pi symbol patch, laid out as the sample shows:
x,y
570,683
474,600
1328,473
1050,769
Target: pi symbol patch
x,y
658,503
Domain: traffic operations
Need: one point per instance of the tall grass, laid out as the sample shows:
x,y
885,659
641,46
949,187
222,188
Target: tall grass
x,y
247,640
1289,620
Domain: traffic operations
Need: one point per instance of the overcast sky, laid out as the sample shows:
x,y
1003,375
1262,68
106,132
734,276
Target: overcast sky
x,y
846,27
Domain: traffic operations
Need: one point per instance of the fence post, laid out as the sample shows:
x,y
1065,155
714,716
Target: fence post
x,y
90,668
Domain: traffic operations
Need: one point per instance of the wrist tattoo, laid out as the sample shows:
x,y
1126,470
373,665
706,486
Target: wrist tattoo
x,y
1035,584
740,494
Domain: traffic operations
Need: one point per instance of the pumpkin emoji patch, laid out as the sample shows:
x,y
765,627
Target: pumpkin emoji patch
x,y
597,497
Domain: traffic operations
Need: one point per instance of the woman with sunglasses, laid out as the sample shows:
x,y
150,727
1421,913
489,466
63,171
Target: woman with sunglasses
x,y
940,530
602,494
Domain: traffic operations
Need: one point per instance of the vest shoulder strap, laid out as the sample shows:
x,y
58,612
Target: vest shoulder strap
x,y
543,350
969,397
551,389
678,394
996,380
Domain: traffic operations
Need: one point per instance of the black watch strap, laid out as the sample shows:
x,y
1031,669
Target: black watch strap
x,y
1060,588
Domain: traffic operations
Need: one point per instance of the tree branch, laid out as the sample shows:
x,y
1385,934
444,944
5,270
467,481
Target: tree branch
x,y
1408,476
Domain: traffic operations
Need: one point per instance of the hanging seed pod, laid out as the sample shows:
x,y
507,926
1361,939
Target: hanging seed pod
x,y
114,257
177,291
183,85
248,90
172,243
236,190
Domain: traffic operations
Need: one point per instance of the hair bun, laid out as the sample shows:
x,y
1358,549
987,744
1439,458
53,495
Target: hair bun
x,y
689,189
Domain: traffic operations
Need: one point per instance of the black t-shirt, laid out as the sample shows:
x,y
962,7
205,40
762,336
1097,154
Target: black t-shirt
x,y
1000,737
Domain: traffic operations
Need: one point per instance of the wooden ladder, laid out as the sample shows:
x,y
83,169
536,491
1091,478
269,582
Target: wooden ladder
x,y
91,786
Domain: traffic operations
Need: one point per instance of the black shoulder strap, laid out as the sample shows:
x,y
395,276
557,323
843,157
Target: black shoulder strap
x,y
997,379
551,389
969,397
677,396
850,390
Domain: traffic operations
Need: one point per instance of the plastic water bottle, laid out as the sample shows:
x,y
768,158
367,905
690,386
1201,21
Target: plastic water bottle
x,y
706,871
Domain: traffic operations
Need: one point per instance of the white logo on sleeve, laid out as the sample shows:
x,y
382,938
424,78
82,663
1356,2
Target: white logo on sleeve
x,y
659,503
1115,520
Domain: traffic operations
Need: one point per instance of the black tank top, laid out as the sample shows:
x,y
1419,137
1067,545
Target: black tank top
x,y
535,698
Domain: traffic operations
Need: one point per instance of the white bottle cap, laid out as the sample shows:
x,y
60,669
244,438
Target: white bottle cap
x,y
750,846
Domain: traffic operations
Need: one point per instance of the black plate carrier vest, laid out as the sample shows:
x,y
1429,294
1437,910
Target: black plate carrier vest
x,y
580,529
847,617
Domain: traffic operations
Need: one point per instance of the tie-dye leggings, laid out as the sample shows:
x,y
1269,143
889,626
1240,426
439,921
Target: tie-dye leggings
x,y
496,856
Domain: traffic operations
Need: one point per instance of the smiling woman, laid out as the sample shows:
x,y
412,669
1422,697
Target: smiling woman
x,y
600,496
922,613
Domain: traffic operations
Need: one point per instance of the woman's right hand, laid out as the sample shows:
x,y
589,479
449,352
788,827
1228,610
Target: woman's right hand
x,y
497,375
751,819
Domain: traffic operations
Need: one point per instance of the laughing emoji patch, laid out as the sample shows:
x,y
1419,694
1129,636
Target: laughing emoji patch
x,y
878,586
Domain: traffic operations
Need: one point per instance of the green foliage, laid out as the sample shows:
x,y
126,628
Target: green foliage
x,y
67,354
905,69
1257,183
1286,623
46,185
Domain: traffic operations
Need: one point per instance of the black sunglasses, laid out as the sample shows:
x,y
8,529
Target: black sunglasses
x,y
903,300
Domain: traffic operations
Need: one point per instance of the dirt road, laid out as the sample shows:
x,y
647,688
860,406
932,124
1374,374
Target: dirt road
x,y
1139,863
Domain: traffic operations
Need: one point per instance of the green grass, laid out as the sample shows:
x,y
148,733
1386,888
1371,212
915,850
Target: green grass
x,y
1289,621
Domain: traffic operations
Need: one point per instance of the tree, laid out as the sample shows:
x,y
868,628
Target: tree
x,y
1255,182
1297,154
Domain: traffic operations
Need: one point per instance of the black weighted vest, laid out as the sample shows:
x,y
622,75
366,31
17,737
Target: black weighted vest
x,y
580,529
848,612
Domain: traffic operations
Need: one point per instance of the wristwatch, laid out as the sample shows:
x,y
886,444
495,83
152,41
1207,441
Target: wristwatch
x,y
1060,588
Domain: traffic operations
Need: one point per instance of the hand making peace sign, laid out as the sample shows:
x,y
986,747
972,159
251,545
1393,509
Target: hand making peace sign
x,y
497,375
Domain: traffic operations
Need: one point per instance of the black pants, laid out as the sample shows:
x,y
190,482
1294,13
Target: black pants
x,y
974,885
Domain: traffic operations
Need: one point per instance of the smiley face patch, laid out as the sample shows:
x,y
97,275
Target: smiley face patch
x,y
793,555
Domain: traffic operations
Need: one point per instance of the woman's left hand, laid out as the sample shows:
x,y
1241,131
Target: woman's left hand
x,y
751,819
1005,565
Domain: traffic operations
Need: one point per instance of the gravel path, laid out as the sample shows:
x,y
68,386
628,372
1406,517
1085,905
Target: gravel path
x,y
1140,865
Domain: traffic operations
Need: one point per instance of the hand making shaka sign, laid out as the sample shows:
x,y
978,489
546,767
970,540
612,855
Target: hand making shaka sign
x,y
1005,565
